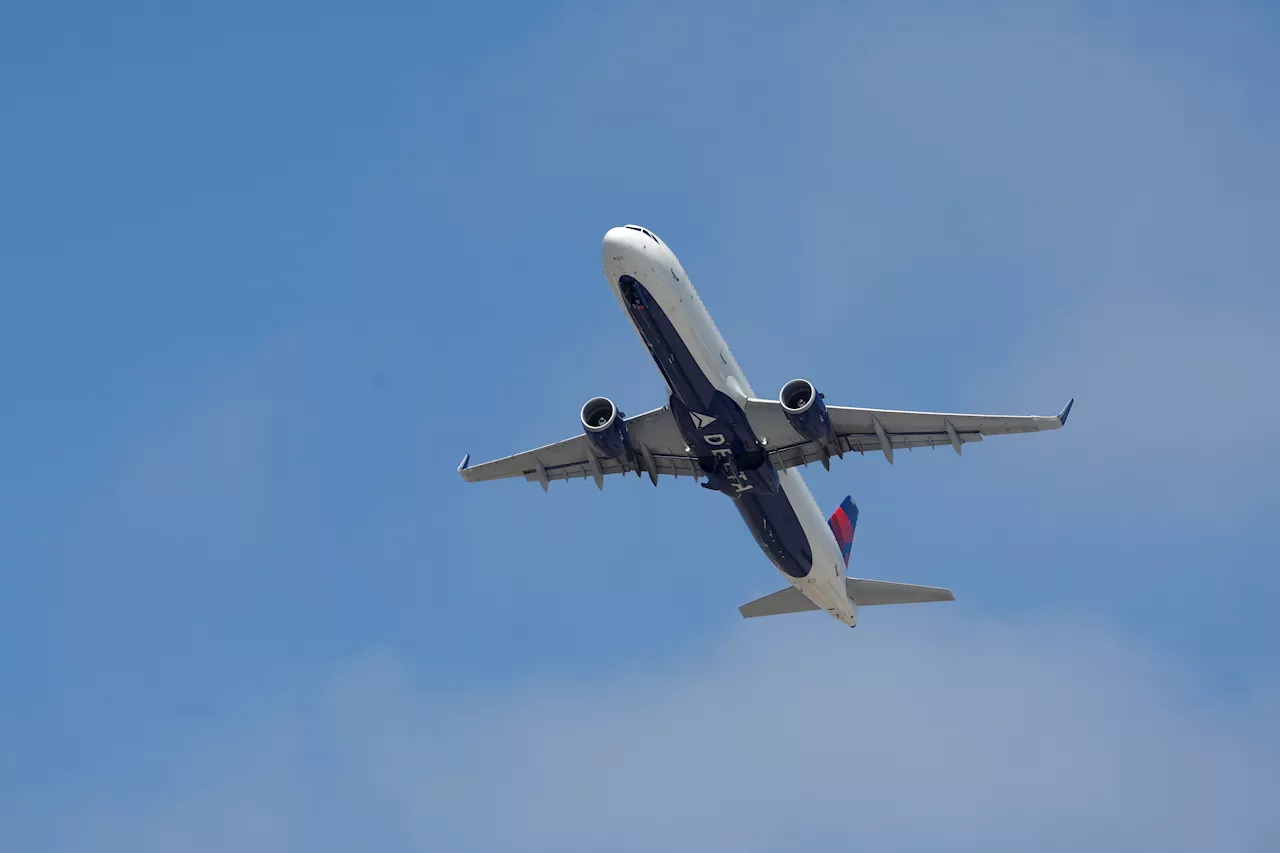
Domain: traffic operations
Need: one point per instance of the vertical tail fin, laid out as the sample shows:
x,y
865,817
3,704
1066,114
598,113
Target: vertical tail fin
x,y
842,522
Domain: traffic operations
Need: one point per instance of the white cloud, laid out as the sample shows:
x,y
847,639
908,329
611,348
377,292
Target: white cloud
x,y
963,733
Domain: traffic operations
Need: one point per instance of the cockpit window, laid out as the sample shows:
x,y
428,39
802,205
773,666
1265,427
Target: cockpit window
x,y
644,231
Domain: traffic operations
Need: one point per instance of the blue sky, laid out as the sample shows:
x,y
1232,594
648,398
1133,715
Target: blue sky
x,y
270,270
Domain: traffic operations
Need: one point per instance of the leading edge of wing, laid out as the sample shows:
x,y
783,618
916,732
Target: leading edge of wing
x,y
1043,421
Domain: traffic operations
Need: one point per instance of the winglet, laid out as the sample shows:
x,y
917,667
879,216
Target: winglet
x,y
1066,410
462,466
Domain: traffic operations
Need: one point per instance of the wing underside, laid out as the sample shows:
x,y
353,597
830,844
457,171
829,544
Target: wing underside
x,y
658,449
885,430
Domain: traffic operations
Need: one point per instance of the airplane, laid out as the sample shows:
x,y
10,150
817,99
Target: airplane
x,y
716,430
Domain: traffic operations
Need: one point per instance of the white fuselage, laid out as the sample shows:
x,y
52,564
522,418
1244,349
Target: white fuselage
x,y
630,251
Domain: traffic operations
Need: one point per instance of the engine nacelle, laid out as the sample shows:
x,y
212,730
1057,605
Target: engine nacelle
x,y
805,410
605,427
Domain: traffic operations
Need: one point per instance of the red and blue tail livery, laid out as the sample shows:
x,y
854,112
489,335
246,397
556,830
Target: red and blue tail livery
x,y
843,521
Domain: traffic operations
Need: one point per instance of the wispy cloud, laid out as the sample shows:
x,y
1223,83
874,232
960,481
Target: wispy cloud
x,y
197,467
972,734
190,475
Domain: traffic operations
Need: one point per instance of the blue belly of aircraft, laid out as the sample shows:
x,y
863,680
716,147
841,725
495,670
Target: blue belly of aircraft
x,y
717,431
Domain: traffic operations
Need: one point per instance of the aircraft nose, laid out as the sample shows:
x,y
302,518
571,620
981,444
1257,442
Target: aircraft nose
x,y
616,251
617,242
629,246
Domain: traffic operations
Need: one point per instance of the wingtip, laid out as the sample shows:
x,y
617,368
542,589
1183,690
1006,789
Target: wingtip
x,y
462,466
1066,410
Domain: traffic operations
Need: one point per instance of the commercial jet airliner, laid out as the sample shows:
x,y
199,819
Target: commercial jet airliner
x,y
715,429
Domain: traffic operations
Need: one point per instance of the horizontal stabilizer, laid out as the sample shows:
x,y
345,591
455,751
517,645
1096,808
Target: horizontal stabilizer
x,y
789,600
864,593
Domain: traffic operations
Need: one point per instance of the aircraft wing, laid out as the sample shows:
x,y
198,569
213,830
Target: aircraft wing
x,y
885,430
656,444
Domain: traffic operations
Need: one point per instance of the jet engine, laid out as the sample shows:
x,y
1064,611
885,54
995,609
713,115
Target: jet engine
x,y
606,427
805,410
